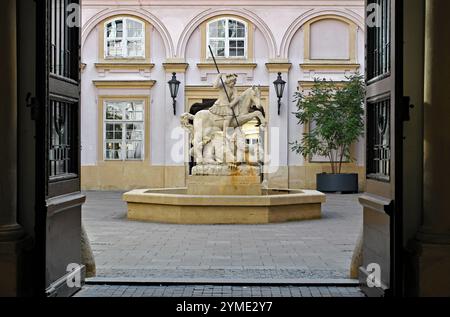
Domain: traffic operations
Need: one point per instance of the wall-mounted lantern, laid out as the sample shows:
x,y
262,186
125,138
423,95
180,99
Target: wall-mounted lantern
x,y
279,88
174,84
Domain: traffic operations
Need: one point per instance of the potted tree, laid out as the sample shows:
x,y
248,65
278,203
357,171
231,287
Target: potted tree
x,y
337,111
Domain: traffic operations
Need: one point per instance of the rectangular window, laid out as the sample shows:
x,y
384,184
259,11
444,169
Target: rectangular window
x,y
124,130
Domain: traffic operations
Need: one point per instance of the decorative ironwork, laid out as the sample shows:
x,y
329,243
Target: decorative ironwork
x,y
379,140
379,41
60,138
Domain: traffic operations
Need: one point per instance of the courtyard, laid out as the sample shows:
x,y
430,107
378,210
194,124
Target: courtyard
x,y
295,252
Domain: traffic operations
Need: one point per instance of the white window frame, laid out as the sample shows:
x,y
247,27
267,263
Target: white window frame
x,y
123,122
125,38
227,38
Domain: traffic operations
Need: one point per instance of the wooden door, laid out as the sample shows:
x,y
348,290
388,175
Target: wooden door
x,y
382,201
58,198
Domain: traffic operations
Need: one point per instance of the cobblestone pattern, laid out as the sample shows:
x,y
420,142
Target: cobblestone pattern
x,y
217,291
307,249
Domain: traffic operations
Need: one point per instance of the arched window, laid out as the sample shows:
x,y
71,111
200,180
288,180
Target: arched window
x,y
124,38
227,37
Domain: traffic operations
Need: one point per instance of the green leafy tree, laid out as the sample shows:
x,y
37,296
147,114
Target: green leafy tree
x,y
337,111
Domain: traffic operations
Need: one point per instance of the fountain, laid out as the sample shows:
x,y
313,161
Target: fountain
x,y
225,186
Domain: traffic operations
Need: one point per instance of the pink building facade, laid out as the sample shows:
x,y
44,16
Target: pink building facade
x,y
131,137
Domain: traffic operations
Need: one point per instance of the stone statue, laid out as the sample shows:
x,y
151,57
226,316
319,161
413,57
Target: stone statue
x,y
223,117
222,107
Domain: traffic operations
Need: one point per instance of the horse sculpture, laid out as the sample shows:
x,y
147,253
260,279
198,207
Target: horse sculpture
x,y
205,124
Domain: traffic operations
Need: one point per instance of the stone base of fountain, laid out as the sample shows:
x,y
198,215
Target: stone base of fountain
x,y
223,200
234,185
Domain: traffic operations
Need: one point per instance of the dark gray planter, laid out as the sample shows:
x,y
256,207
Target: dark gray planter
x,y
333,183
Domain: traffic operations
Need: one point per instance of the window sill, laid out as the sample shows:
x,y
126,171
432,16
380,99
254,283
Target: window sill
x,y
124,83
123,161
342,65
227,64
129,65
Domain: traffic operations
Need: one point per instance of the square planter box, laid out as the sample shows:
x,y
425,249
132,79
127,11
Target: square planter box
x,y
333,183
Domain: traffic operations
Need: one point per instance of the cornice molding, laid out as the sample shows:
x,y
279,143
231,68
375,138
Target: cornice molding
x,y
124,83
175,67
124,65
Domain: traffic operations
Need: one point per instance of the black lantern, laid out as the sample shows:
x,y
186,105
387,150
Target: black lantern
x,y
174,84
279,88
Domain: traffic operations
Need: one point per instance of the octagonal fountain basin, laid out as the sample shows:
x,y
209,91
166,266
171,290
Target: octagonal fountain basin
x,y
178,207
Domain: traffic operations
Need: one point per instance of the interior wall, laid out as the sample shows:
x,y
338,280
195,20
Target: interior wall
x,y
414,16
26,41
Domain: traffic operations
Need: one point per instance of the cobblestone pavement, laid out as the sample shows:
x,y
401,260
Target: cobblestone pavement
x,y
317,249
217,291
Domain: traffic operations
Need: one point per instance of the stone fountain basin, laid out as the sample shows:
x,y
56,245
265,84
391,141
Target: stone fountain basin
x,y
174,205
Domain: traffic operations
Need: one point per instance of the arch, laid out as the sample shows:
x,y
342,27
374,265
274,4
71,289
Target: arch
x,y
315,15
211,13
142,14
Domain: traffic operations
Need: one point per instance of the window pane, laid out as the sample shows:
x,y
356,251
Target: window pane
x,y
119,28
134,131
218,47
241,32
135,48
114,48
118,131
213,32
109,127
236,48
134,111
236,44
113,112
221,28
114,29
134,150
217,29
134,29
236,29
113,151
109,30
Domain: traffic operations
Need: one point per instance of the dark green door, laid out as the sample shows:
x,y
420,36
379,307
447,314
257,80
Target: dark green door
x,y
381,272
58,197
